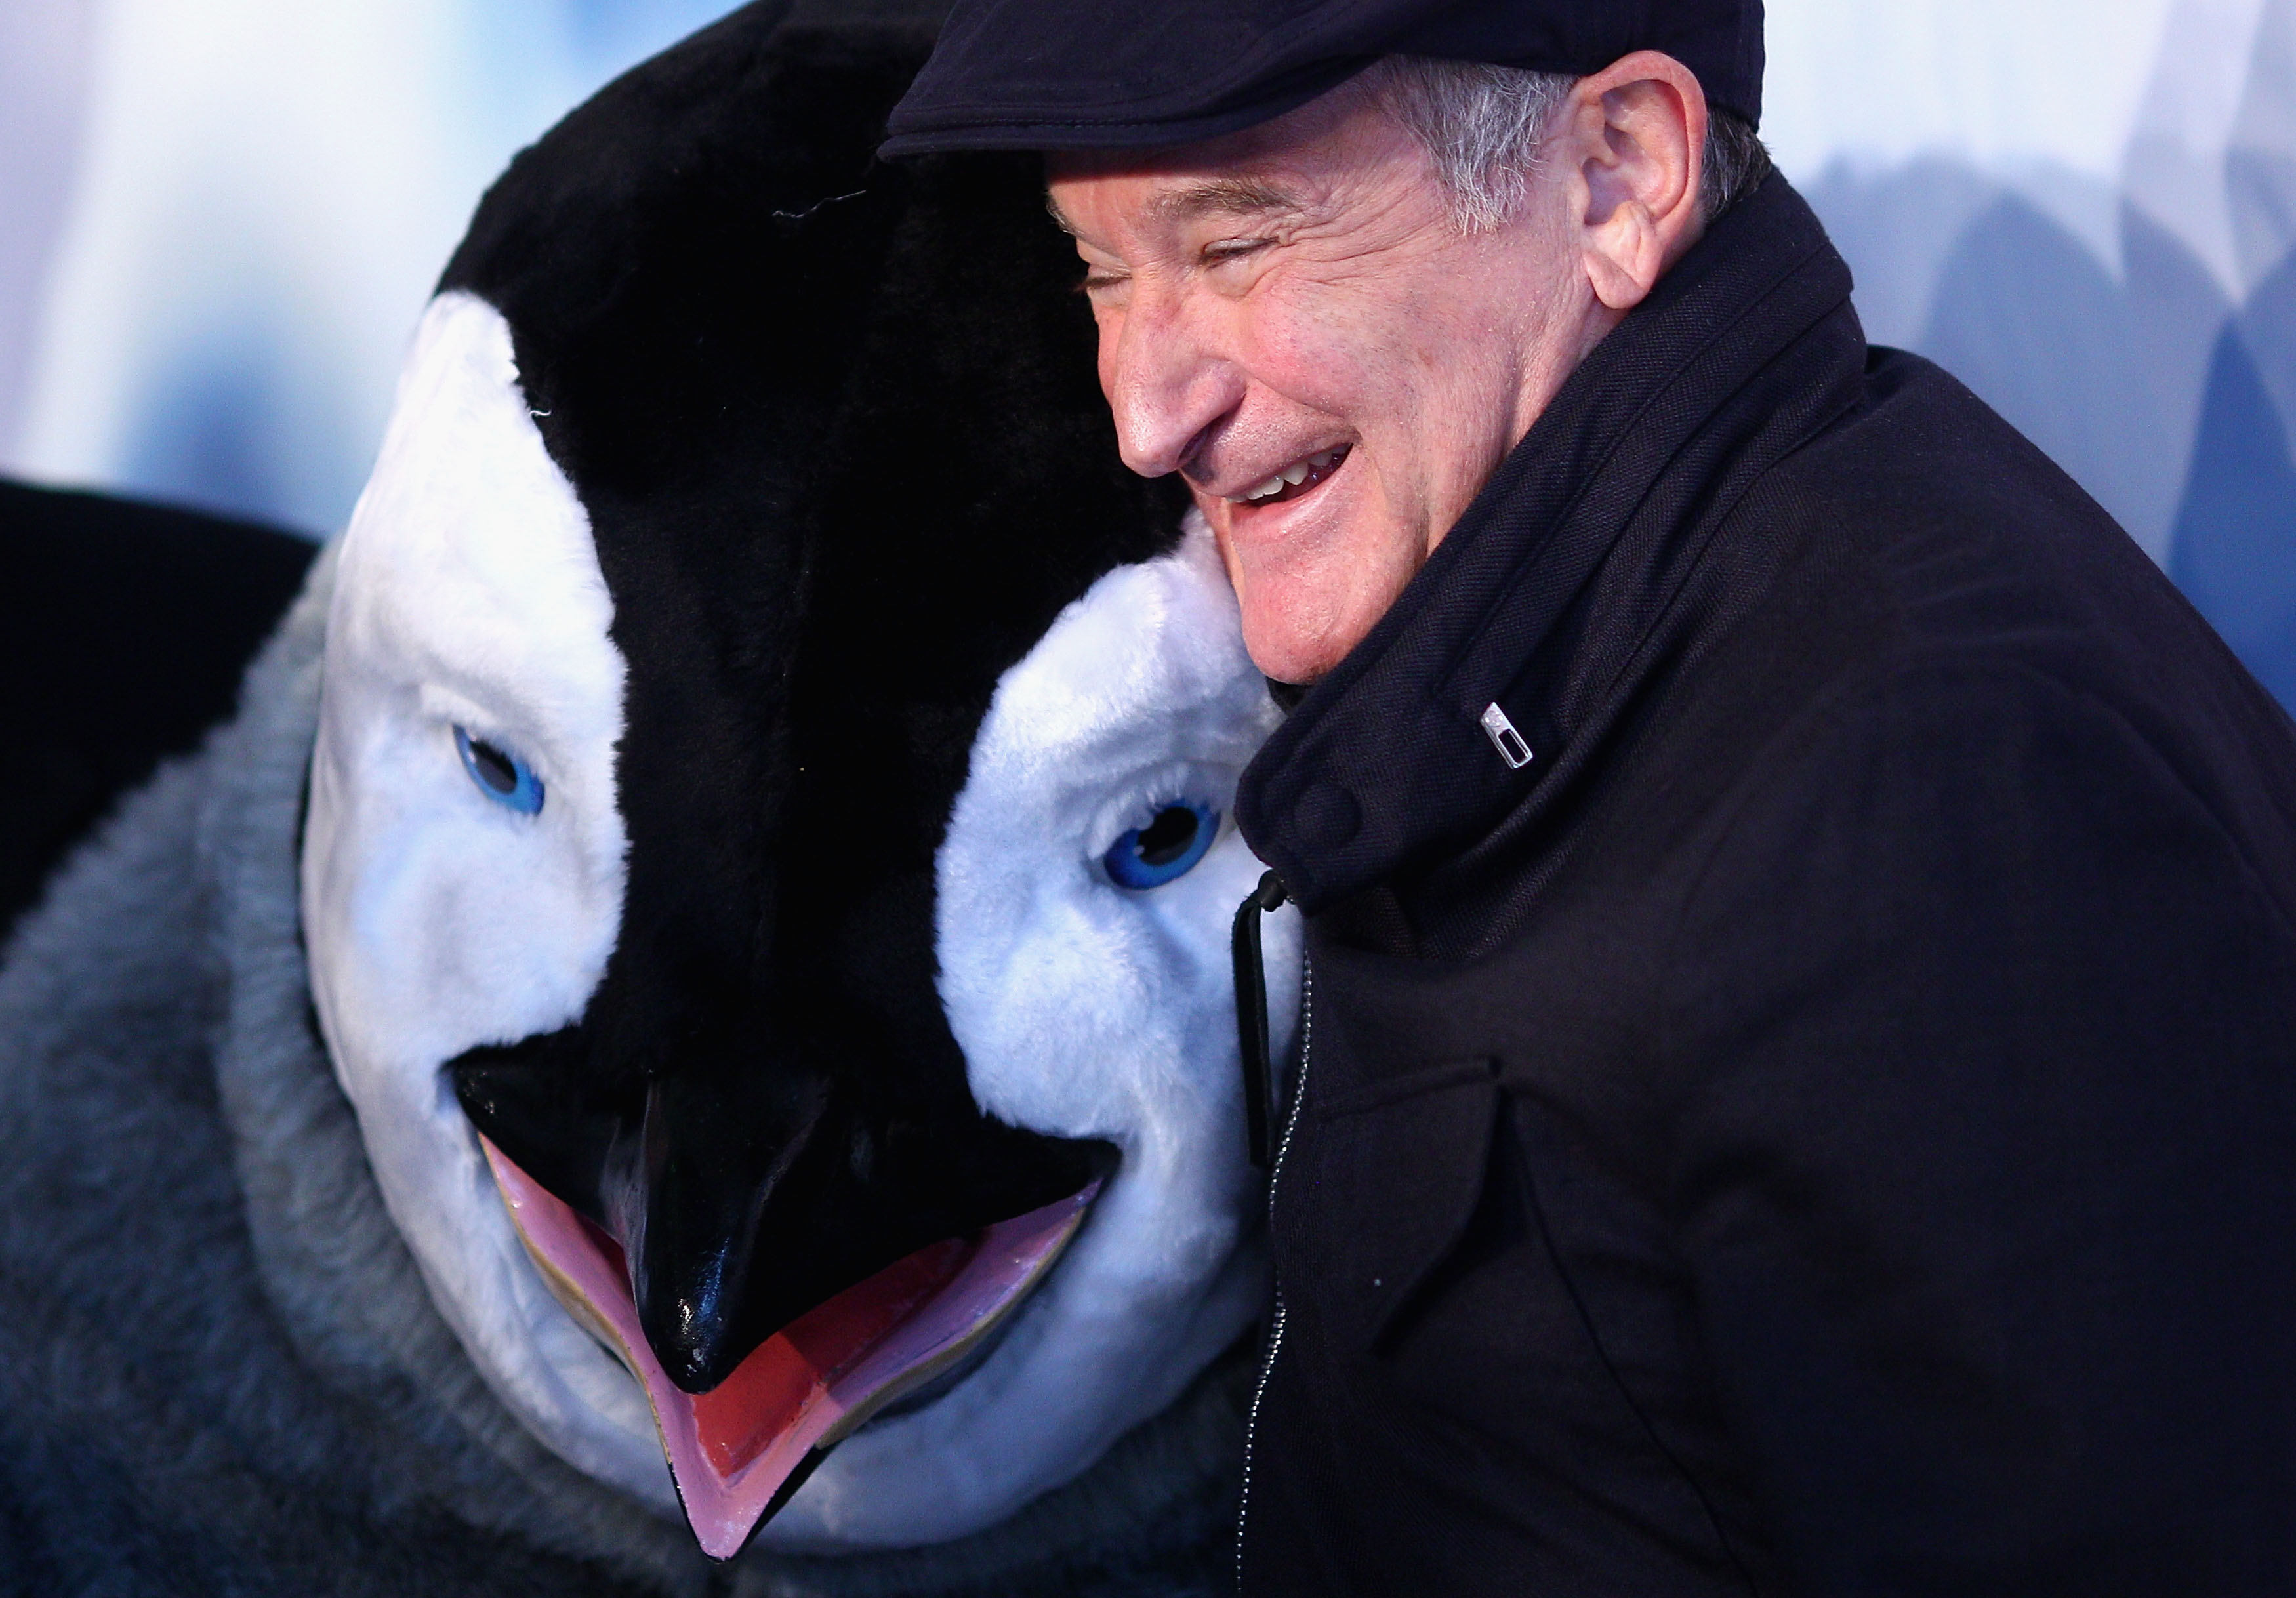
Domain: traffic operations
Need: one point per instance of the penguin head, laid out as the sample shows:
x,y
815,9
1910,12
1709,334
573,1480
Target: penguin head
x,y
767,876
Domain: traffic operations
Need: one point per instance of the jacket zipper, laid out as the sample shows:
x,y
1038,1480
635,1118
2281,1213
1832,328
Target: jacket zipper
x,y
1276,1325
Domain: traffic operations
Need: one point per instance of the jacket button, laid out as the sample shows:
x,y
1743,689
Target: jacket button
x,y
1327,816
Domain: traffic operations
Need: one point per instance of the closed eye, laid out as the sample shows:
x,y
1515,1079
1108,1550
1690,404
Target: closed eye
x,y
499,774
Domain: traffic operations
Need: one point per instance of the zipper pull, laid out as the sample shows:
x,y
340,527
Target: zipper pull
x,y
1251,1020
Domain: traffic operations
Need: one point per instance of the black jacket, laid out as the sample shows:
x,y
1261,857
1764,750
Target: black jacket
x,y
1827,1124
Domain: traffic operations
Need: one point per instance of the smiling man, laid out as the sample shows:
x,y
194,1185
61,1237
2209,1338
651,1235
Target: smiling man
x,y
1801,1083
1292,317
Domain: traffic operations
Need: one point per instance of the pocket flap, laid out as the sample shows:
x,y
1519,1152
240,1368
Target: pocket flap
x,y
1410,1155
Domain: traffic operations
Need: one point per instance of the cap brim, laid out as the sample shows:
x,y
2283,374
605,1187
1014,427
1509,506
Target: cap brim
x,y
941,131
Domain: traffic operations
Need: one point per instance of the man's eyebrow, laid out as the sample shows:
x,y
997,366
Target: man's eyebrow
x,y
1224,197
1212,196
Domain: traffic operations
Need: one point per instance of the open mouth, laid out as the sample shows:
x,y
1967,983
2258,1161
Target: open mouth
x,y
738,1452
1302,476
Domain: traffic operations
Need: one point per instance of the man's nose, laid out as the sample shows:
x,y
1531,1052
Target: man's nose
x,y
1167,384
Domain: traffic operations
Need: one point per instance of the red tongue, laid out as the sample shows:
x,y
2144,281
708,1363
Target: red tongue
x,y
732,1449
740,1417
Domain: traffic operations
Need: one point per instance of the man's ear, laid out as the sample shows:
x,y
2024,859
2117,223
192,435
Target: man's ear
x,y
1634,135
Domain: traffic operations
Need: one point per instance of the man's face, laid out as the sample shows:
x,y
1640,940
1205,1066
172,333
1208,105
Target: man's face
x,y
1291,319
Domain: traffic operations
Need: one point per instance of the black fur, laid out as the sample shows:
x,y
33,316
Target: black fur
x,y
94,591
836,428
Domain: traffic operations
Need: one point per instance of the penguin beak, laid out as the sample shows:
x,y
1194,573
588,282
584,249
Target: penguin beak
x,y
739,1451
775,1253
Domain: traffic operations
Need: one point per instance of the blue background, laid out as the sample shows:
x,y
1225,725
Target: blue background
x,y
222,217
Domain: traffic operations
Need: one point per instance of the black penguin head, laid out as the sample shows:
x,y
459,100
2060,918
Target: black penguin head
x,y
732,474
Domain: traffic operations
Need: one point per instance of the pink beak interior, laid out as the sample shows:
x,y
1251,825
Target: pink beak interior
x,y
731,1450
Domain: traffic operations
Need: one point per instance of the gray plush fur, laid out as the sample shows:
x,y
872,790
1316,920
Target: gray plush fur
x,y
219,1370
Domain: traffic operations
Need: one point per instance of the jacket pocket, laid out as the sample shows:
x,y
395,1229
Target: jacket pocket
x,y
1400,1173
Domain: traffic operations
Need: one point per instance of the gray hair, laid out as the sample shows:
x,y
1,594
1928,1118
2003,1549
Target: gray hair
x,y
1483,125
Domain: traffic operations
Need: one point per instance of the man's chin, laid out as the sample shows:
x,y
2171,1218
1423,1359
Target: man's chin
x,y
1310,585
1284,650
1299,625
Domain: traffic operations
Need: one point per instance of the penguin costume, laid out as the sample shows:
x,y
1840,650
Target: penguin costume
x,y
681,1040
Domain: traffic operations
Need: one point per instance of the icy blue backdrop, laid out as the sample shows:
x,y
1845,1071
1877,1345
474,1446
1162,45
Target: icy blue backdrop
x,y
224,215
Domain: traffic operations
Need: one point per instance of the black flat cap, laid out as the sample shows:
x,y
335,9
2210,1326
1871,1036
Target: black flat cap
x,y
1115,74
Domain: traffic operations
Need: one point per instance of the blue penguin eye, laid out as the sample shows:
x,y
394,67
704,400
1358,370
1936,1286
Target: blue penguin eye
x,y
500,776
1164,850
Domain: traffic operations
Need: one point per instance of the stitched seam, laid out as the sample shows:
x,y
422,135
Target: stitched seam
x,y
1378,1095
1784,282
1718,518
1626,1393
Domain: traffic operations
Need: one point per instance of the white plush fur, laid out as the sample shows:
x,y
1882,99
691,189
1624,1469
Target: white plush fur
x,y
1093,1011
468,592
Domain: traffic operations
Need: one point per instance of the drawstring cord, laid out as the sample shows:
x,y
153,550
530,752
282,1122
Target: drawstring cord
x,y
1251,1020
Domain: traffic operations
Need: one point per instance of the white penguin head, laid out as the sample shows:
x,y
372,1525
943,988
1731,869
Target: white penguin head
x,y
464,878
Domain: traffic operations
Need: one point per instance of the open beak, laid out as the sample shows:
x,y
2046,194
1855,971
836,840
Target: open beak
x,y
739,1451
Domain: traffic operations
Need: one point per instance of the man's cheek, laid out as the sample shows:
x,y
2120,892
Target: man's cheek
x,y
1111,325
1309,362
1229,560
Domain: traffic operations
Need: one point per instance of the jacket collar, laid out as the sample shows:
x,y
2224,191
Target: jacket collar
x,y
1744,350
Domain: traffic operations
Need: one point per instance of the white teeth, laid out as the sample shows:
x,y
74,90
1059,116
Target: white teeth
x,y
1292,476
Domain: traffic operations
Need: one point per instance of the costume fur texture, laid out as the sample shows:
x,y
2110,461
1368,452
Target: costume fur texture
x,y
466,594
219,1368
